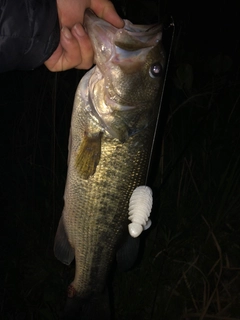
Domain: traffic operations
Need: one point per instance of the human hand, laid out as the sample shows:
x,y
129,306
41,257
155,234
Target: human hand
x,y
71,12
75,49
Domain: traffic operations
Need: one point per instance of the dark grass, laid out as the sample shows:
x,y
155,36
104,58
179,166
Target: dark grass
x,y
190,258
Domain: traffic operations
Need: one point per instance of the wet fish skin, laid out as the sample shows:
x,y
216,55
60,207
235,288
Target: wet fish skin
x,y
112,127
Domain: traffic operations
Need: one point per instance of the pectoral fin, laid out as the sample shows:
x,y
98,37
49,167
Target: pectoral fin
x,y
62,248
88,155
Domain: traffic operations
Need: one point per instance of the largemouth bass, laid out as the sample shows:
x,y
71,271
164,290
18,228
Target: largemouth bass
x,y
113,121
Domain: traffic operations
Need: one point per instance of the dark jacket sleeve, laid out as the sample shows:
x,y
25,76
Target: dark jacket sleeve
x,y
29,33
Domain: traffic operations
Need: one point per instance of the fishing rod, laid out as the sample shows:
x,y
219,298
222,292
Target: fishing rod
x,y
167,26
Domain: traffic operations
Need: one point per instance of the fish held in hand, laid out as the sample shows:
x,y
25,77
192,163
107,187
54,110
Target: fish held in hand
x,y
112,128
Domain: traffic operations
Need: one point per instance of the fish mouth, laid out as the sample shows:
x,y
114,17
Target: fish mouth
x,y
105,37
137,30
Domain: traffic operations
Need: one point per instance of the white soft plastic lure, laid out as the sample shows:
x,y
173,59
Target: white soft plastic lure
x,y
140,206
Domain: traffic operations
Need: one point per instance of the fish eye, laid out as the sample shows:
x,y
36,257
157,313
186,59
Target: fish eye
x,y
155,70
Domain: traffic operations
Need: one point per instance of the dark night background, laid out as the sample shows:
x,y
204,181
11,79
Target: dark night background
x,y
189,266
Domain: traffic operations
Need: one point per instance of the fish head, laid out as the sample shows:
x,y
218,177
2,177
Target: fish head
x,y
131,62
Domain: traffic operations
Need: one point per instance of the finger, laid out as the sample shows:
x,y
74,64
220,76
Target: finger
x,y
74,51
85,46
105,10
71,50
67,55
